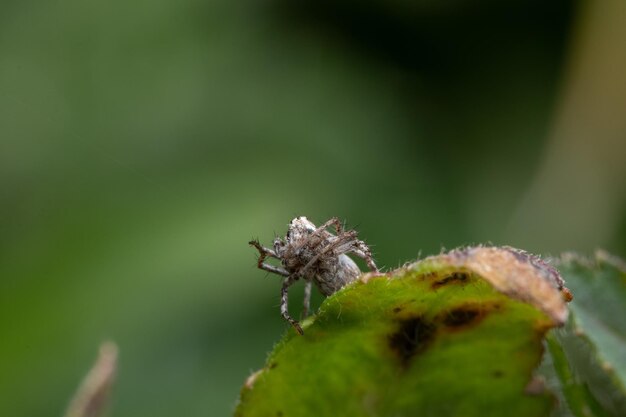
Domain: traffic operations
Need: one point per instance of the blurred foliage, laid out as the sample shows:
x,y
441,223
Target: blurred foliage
x,y
142,144
590,352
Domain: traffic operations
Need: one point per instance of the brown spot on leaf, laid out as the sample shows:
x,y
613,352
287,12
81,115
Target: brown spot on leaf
x,y
497,374
413,337
462,316
397,309
455,277
467,315
273,365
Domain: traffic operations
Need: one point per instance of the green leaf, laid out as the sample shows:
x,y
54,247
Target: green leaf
x,y
589,354
434,338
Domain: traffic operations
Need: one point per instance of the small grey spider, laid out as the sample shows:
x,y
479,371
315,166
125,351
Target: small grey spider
x,y
315,255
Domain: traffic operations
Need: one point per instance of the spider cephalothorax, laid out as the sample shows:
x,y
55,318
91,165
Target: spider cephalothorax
x,y
315,255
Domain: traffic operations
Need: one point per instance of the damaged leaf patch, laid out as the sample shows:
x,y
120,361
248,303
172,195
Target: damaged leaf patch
x,y
412,337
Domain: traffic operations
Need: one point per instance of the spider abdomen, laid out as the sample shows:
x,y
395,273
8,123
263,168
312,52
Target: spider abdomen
x,y
336,275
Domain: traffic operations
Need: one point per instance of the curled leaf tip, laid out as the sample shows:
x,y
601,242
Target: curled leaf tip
x,y
515,272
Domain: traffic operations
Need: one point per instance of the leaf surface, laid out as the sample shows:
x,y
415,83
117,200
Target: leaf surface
x,y
435,338
589,353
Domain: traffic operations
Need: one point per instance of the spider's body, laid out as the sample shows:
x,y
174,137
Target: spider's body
x,y
315,255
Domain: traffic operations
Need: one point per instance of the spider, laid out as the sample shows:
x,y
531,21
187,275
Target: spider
x,y
317,256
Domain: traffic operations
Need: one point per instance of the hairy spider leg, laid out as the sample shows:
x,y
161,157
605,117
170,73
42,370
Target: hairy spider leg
x,y
335,222
263,254
361,250
284,310
320,231
341,240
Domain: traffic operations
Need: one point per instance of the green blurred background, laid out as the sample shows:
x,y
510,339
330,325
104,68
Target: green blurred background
x,y
142,144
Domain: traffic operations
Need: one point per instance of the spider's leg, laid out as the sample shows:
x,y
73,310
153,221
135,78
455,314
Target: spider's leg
x,y
265,253
361,250
335,222
284,311
337,243
273,269
307,299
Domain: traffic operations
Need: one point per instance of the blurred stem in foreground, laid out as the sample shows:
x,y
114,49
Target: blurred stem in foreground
x,y
91,398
